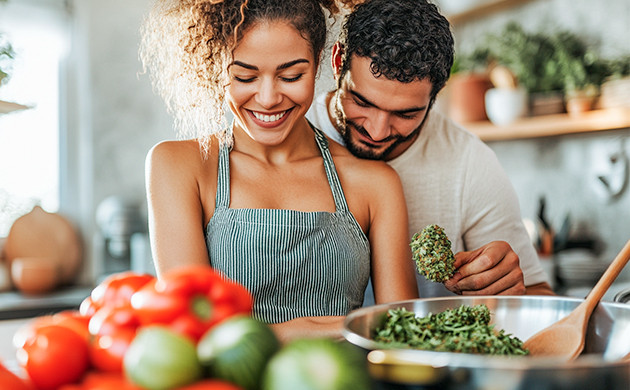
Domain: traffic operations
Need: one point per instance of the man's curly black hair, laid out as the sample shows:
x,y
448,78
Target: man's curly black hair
x,y
407,40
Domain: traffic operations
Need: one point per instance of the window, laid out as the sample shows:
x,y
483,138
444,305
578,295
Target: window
x,y
30,139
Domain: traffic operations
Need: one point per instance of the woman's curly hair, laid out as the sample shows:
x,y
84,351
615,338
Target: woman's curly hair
x,y
406,41
187,47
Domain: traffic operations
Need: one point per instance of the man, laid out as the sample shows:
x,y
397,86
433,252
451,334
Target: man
x,y
391,60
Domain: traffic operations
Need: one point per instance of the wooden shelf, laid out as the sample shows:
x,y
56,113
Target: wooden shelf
x,y
483,9
553,125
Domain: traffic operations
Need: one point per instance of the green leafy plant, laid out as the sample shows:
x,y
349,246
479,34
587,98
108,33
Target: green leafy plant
x,y
541,62
619,67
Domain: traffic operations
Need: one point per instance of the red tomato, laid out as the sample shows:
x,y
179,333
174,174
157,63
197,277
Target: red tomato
x,y
210,384
70,319
54,356
8,380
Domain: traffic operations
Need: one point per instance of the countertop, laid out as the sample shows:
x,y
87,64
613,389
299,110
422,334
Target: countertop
x,y
14,304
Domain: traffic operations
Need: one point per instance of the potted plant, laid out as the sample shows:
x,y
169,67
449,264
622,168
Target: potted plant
x,y
466,87
529,56
614,90
581,69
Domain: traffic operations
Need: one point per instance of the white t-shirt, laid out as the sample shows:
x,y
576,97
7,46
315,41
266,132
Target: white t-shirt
x,y
453,179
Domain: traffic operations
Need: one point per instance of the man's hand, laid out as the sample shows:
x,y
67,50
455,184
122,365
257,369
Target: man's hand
x,y
492,269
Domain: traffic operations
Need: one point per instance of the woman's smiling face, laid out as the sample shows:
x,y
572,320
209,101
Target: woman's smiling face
x,y
272,81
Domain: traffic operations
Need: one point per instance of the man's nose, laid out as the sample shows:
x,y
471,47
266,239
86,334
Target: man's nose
x,y
379,127
268,95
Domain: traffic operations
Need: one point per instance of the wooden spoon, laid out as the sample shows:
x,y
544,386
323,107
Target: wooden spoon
x,y
565,338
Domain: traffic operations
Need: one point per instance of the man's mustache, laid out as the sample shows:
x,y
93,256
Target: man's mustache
x,y
364,132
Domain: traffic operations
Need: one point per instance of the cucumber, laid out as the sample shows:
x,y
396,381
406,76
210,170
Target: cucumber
x,y
317,364
237,350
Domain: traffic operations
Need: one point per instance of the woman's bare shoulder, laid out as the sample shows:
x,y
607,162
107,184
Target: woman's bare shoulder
x,y
182,153
360,168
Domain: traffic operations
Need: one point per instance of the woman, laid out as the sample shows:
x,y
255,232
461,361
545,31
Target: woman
x,y
270,202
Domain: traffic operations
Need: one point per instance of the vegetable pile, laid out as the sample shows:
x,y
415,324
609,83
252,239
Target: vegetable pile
x,y
431,251
465,329
189,330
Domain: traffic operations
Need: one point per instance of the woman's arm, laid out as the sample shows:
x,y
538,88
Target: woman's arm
x,y
176,220
309,327
393,272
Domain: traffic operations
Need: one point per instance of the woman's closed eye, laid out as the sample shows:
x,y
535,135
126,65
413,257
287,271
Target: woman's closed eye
x,y
247,79
291,79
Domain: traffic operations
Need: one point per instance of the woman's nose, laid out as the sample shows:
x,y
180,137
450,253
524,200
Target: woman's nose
x,y
268,95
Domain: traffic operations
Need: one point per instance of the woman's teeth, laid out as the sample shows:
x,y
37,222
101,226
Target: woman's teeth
x,y
268,118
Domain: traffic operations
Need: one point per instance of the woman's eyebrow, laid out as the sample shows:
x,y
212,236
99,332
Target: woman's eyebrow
x,y
286,65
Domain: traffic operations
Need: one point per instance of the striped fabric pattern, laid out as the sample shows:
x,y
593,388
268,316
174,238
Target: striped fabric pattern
x,y
294,263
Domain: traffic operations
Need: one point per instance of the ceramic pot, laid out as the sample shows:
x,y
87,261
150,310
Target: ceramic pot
x,y
466,97
40,234
505,105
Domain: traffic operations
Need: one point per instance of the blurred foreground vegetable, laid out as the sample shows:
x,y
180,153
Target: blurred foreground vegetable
x,y
52,356
160,359
189,330
317,364
113,323
10,381
238,350
191,300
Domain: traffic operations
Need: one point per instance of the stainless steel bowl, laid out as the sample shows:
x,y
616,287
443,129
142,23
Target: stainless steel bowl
x,y
603,364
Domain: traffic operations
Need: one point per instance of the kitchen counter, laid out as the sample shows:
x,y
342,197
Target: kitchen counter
x,y
14,304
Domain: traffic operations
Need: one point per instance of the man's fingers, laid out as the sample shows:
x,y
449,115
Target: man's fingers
x,y
510,283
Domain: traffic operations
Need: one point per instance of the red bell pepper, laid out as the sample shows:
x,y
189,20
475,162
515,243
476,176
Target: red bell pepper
x,y
191,300
116,290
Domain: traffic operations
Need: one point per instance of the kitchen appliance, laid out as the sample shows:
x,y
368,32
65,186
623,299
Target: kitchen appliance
x,y
119,220
601,366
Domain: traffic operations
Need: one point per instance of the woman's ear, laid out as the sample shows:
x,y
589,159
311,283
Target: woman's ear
x,y
336,55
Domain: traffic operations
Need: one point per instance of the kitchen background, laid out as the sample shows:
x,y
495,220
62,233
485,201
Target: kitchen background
x,y
110,118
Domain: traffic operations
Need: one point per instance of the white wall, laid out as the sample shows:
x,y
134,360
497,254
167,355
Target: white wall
x,y
114,117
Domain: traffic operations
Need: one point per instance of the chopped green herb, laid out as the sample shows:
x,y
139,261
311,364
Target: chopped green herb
x,y
431,250
465,329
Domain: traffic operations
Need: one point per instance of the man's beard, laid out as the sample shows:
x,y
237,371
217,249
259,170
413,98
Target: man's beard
x,y
369,152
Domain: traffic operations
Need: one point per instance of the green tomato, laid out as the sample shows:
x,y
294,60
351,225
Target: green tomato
x,y
317,364
160,359
237,350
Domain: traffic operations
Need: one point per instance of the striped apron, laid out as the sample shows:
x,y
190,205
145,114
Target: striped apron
x,y
294,263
